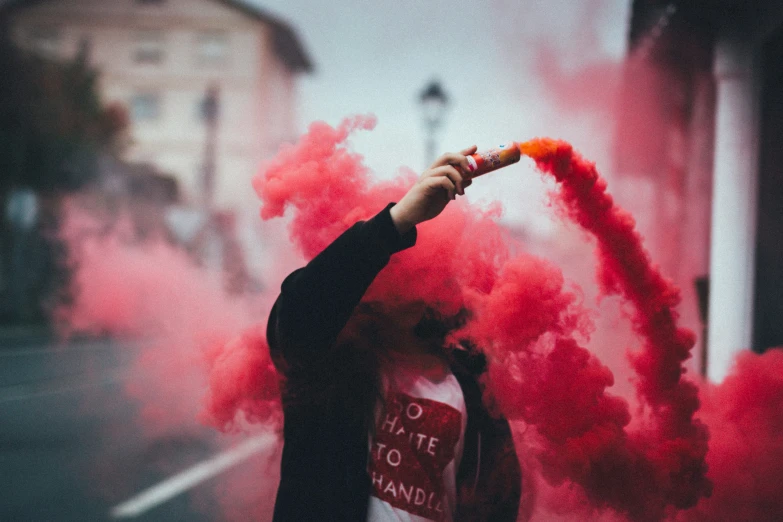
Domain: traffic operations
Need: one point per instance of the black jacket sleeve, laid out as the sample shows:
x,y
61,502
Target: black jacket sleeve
x,y
316,301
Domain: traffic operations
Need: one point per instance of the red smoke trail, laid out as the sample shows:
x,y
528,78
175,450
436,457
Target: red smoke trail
x,y
643,472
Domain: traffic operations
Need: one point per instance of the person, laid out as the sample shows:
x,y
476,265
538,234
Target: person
x,y
381,420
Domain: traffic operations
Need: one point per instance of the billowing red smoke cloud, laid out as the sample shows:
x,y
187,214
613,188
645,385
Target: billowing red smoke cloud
x,y
530,321
157,296
746,444
462,259
193,350
329,189
243,379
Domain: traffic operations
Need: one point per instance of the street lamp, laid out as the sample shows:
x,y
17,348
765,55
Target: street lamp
x,y
434,103
210,113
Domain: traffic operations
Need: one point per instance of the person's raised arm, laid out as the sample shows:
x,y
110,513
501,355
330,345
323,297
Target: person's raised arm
x,y
316,301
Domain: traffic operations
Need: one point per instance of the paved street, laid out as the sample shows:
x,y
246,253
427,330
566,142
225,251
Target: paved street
x,y
71,447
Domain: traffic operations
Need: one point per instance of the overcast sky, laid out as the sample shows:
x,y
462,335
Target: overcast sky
x,y
376,57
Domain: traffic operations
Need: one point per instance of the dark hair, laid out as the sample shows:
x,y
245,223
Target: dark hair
x,y
435,327
368,337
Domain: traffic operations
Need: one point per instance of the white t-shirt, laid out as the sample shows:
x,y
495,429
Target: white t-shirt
x,y
417,447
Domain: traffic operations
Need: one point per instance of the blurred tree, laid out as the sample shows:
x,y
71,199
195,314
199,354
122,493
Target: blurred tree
x,y
53,130
52,123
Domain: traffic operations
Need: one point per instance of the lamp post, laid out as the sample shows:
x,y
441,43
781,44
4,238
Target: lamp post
x,y
211,251
434,103
210,112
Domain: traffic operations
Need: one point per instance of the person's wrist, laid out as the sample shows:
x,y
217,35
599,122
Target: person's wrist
x,y
401,222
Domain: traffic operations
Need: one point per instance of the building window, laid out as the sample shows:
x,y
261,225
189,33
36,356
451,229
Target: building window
x,y
149,47
145,107
46,40
212,48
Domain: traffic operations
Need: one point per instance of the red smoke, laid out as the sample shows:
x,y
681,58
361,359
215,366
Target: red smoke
x,y
573,437
519,302
329,189
745,458
661,464
241,378
156,295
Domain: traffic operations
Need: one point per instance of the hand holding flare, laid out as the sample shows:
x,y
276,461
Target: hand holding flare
x,y
487,161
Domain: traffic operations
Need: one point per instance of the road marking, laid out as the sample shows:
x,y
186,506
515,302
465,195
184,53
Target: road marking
x,y
185,480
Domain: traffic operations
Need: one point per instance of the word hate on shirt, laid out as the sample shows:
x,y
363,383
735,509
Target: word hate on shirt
x,y
392,425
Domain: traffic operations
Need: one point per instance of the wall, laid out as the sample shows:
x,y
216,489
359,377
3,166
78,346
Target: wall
x,y
249,121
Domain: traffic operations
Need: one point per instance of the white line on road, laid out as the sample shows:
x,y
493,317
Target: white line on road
x,y
183,481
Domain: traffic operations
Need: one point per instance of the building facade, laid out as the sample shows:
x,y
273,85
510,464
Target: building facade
x,y
713,130
163,60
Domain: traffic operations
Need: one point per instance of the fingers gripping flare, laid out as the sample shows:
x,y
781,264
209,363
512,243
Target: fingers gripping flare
x,y
437,186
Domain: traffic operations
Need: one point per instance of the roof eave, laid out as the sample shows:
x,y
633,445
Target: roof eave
x,y
285,42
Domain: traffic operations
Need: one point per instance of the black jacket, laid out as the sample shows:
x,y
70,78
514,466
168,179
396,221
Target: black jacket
x,y
324,465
